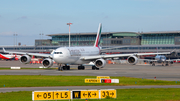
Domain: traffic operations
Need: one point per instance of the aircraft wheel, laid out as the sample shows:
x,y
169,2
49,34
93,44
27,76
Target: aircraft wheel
x,y
93,67
97,68
167,64
68,67
80,67
64,67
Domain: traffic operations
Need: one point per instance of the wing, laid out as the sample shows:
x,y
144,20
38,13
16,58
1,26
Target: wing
x,y
26,53
113,48
149,60
120,47
118,55
173,60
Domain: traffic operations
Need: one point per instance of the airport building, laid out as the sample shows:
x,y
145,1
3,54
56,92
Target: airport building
x,y
87,39
131,42
113,39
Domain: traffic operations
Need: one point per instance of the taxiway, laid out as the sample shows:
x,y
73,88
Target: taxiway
x,y
170,73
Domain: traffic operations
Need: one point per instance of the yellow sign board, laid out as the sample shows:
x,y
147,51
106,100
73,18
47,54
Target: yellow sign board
x,y
92,80
90,94
62,95
76,94
103,77
108,93
79,94
45,95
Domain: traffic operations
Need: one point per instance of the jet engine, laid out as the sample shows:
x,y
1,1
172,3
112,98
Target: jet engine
x,y
100,63
25,59
132,60
47,62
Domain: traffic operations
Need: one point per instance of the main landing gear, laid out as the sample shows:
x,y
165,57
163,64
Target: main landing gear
x,y
95,68
165,64
81,67
61,68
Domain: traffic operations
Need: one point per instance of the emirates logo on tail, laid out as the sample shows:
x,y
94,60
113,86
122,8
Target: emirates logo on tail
x,y
96,44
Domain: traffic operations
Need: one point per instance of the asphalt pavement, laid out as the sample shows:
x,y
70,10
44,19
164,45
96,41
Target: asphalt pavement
x,y
169,73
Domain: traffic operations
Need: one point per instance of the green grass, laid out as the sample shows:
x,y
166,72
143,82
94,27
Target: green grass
x,y
43,81
153,94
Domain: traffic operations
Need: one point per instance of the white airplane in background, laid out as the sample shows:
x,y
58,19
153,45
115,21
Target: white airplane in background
x,y
162,59
79,55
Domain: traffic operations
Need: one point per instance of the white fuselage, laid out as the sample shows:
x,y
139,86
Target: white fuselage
x,y
71,55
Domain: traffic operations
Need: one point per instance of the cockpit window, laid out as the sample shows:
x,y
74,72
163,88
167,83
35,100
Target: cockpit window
x,y
58,53
163,57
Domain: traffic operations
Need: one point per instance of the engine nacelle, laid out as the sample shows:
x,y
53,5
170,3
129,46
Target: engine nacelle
x,y
132,60
47,62
100,63
25,59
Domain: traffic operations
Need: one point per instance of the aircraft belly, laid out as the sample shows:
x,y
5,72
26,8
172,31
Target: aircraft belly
x,y
67,60
79,61
72,59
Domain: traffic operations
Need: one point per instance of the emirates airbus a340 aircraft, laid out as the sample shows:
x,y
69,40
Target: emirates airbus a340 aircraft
x,y
66,56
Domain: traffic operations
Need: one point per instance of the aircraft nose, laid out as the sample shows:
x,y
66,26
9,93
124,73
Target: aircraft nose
x,y
163,59
57,57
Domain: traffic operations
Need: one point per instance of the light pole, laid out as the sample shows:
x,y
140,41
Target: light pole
x,y
41,40
15,40
69,34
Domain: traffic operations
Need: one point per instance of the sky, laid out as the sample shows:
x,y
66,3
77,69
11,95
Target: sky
x,y
30,18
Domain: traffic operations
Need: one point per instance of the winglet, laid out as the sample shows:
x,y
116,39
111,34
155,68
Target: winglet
x,y
96,44
173,51
4,50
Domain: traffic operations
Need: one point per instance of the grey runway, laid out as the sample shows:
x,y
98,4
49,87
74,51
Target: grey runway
x,y
82,88
170,73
